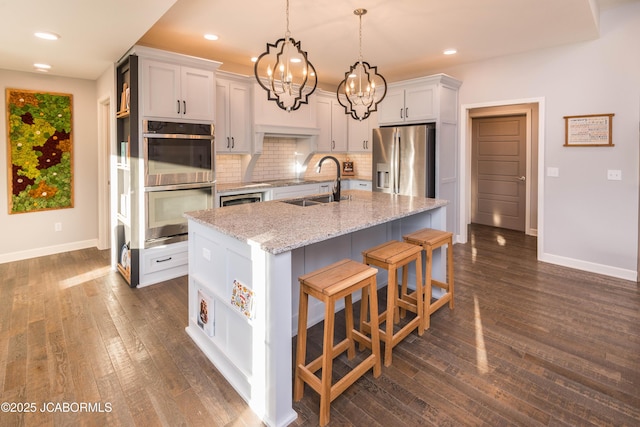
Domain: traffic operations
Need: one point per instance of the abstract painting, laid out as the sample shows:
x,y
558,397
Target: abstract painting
x,y
40,150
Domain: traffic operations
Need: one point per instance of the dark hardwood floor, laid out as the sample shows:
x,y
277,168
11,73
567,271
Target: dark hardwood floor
x,y
528,344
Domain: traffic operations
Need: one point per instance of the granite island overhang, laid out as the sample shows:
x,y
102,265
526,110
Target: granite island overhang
x,y
244,262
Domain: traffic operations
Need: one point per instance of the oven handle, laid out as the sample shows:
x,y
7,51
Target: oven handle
x,y
176,136
208,184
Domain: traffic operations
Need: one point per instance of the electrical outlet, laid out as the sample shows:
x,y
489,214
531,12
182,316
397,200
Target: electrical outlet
x,y
57,226
614,175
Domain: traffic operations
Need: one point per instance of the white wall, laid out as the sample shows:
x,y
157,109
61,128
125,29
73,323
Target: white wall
x,y
28,235
586,221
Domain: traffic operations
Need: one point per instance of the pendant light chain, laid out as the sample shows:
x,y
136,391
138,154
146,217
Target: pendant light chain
x,y
360,16
288,33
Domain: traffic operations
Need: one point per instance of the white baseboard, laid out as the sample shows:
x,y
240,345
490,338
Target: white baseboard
x,y
48,250
591,267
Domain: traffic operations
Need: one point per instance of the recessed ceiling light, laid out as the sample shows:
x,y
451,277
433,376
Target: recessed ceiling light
x,y
42,67
47,35
211,37
450,52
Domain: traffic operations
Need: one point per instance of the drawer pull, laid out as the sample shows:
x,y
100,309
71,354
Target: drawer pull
x,y
164,260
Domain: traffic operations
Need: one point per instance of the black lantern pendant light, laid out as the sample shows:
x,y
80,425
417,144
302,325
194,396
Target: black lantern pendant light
x,y
284,71
362,88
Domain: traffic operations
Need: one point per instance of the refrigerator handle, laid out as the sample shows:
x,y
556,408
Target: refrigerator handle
x,y
396,162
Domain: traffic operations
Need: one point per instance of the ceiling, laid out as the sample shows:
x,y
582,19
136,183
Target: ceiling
x,y
404,38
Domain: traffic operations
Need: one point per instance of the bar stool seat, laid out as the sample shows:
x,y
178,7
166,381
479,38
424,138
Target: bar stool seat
x,y
391,256
329,284
431,239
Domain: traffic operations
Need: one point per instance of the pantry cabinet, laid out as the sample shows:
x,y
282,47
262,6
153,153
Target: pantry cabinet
x,y
177,87
233,115
332,122
151,85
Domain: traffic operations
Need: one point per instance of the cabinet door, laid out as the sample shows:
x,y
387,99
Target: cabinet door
x,y
161,89
323,109
197,94
338,127
332,123
239,117
222,133
391,109
360,133
419,103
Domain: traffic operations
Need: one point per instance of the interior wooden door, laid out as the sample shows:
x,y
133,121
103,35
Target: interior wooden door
x,y
498,171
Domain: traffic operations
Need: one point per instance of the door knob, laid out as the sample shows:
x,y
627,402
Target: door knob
x,y
522,178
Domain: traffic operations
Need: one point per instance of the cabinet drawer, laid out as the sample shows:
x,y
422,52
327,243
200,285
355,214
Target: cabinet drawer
x,y
159,259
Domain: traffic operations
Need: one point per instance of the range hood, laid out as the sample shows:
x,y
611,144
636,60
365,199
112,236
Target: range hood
x,y
279,131
305,137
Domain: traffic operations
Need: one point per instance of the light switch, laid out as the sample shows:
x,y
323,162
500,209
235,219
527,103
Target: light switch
x,y
614,175
553,172
206,254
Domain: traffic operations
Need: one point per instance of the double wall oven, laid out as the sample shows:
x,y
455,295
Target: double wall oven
x,y
179,176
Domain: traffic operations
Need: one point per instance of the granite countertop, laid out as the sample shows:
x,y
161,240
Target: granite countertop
x,y
238,186
280,227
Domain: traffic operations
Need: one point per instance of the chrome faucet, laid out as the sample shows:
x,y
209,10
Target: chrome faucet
x,y
336,187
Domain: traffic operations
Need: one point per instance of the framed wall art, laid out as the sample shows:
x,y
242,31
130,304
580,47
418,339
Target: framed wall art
x,y
592,130
40,150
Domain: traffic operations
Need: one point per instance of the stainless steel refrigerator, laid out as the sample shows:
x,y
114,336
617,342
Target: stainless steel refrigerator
x,y
404,160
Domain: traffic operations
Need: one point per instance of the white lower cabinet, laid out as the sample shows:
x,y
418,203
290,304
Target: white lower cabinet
x,y
357,184
163,263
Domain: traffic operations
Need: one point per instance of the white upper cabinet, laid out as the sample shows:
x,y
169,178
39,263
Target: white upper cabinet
x,y
233,116
411,103
332,122
174,91
360,133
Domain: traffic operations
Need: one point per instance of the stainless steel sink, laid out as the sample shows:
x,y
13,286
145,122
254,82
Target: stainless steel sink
x,y
314,200
310,201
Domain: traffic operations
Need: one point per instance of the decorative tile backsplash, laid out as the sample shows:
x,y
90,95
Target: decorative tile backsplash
x,y
279,161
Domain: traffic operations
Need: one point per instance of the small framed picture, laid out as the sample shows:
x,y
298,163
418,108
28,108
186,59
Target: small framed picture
x,y
205,313
592,130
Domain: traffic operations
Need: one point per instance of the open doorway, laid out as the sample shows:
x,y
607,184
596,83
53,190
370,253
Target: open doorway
x,y
104,159
492,113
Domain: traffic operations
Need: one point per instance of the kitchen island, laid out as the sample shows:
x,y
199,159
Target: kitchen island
x,y
244,262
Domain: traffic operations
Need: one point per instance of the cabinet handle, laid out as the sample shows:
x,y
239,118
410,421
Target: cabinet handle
x,y
364,144
401,111
228,142
178,101
406,113
233,142
164,260
184,103
333,145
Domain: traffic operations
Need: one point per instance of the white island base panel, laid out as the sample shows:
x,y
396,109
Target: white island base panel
x,y
255,354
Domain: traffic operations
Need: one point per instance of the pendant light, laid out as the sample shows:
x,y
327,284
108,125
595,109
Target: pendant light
x,y
362,88
284,71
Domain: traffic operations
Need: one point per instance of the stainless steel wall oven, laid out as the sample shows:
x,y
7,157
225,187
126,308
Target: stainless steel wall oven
x,y
178,153
164,221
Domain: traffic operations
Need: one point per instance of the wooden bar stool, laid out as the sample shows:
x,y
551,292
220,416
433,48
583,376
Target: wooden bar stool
x,y
431,239
329,284
391,256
